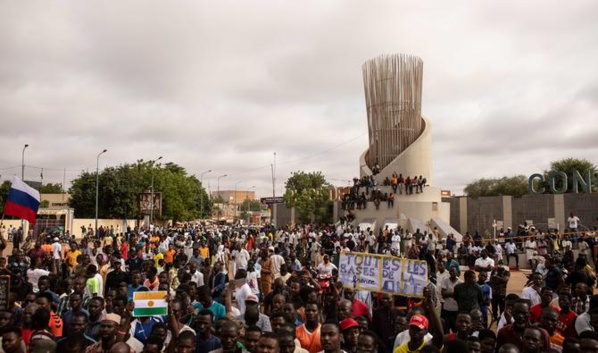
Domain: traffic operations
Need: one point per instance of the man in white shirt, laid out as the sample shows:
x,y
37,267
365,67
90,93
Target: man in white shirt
x,y
498,251
242,257
57,252
530,249
566,244
326,266
372,243
450,308
511,252
583,247
533,292
408,242
396,243
573,222
196,276
277,261
441,275
242,289
484,263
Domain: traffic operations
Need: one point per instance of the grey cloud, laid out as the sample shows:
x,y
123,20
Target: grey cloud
x,y
222,85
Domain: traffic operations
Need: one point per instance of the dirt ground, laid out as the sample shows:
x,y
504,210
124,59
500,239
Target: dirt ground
x,y
517,281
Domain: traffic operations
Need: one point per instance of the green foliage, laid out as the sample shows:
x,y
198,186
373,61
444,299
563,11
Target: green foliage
x,y
251,205
505,186
517,185
309,194
568,166
51,189
4,189
119,188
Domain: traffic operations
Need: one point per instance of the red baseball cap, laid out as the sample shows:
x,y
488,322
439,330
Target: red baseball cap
x,y
348,323
419,321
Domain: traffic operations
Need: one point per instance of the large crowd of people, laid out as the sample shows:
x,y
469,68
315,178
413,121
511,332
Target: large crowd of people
x,y
266,290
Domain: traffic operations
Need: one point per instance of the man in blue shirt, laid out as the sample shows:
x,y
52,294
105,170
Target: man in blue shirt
x,y
205,301
206,342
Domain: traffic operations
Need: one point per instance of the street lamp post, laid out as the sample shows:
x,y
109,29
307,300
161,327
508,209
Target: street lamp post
x,y
200,195
236,206
248,202
218,188
23,178
97,187
23,162
152,194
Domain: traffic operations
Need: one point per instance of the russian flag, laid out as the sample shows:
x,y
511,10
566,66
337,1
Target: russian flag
x,y
22,202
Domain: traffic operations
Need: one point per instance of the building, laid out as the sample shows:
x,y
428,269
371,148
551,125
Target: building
x,y
231,200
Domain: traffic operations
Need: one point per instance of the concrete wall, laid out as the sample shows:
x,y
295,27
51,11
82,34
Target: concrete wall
x,y
584,206
482,211
282,215
537,208
78,222
471,214
453,219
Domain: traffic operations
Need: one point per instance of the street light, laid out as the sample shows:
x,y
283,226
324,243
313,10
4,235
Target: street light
x,y
23,178
236,206
97,186
218,189
23,162
248,202
200,195
152,197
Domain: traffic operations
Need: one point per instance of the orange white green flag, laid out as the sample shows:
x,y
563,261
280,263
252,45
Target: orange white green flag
x,y
150,304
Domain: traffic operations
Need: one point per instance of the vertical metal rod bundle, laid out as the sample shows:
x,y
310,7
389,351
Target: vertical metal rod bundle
x,y
393,91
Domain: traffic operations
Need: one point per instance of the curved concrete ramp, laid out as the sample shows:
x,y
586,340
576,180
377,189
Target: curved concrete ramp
x,y
415,224
368,223
446,228
391,223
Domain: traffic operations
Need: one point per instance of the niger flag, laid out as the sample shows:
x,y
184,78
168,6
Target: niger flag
x,y
150,304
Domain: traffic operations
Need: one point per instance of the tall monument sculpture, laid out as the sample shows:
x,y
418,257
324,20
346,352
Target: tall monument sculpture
x,y
400,141
393,94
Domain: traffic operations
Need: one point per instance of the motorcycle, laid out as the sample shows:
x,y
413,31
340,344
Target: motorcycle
x,y
324,280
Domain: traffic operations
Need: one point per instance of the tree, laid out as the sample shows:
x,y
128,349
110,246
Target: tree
x,y
309,194
120,187
51,189
506,186
4,189
251,205
568,166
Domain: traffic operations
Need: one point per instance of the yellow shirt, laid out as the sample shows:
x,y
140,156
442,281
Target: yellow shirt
x,y
157,258
404,348
204,252
71,257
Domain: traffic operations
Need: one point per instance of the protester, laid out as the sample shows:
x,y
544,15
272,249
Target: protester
x,y
242,289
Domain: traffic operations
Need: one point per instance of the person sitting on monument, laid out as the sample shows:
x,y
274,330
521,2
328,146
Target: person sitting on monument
x,y
376,168
408,186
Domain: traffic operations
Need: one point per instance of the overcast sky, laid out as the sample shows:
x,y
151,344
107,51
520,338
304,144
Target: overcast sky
x,y
508,86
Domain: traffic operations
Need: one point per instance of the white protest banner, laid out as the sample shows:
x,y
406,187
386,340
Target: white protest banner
x,y
382,273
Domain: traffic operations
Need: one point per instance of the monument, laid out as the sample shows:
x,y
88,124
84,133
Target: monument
x,y
400,141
